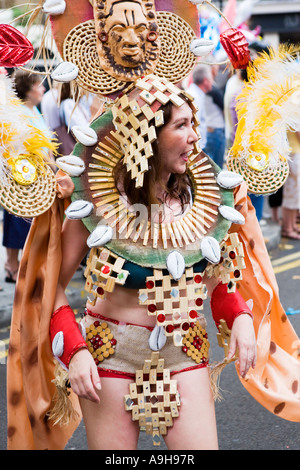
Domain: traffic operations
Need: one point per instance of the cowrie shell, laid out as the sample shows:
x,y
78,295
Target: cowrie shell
x,y
65,72
72,165
58,344
201,47
175,265
229,179
177,339
100,236
210,249
85,135
231,214
157,339
54,7
79,209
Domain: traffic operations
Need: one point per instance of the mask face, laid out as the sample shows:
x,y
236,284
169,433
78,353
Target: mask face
x,y
127,37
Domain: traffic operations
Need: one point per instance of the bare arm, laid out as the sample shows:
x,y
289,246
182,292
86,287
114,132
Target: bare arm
x,y
242,335
74,248
83,373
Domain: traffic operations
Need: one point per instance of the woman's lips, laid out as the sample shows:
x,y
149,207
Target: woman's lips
x,y
185,155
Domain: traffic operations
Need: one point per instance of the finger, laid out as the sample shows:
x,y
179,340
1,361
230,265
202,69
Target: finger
x,y
246,363
95,378
90,391
232,347
84,388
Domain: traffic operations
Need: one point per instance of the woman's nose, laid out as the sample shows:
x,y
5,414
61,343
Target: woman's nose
x,y
193,136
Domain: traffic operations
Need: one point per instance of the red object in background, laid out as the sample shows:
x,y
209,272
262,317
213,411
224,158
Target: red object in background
x,y
236,47
15,49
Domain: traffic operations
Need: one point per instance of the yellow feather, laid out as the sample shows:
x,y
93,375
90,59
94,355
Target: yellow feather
x,y
264,107
18,137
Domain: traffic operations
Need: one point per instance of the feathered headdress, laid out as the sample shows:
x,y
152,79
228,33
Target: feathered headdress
x,y
23,147
267,107
27,182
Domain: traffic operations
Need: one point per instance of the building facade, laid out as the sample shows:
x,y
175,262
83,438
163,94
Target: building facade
x,y
279,21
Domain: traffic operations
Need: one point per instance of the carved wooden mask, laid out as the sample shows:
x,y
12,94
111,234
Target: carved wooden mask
x,y
128,42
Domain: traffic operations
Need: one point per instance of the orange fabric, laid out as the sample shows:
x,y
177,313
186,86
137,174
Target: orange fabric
x,y
30,367
274,382
64,185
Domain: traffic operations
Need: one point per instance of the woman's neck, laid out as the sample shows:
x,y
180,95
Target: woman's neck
x,y
29,104
160,191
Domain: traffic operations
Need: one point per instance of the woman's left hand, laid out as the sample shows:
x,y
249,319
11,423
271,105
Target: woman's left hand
x,y
243,339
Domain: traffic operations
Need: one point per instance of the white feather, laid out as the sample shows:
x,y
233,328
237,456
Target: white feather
x,y
269,106
15,128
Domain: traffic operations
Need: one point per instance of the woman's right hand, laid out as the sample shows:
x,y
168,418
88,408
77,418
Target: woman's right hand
x,y
83,376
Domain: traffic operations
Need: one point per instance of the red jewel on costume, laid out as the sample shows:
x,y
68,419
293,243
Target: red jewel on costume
x,y
169,328
152,308
149,284
100,290
236,47
161,318
198,279
105,269
193,314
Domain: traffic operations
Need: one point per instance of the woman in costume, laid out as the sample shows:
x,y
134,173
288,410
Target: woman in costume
x,y
215,230
166,184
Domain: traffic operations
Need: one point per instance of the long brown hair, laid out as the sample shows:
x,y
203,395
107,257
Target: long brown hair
x,y
178,186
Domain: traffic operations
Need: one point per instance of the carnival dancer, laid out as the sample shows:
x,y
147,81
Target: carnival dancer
x,y
165,228
166,185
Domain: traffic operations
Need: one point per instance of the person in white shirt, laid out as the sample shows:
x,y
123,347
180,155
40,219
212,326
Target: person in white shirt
x,y
202,84
50,108
215,124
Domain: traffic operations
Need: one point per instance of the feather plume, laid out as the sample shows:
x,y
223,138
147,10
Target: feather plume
x,y
267,107
18,137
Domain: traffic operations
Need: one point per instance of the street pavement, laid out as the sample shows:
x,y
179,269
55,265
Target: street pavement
x,y
242,423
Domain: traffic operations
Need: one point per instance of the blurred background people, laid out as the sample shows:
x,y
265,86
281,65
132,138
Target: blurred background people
x,y
202,82
62,111
291,191
50,107
215,124
232,89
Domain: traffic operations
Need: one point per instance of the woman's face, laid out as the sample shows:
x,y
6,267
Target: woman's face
x,y
176,141
36,93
